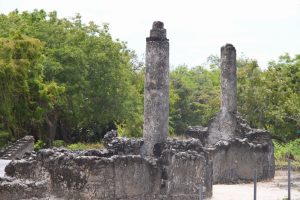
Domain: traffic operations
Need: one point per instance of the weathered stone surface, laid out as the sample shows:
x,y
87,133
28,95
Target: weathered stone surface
x,y
223,126
188,155
235,161
18,149
16,189
106,174
109,137
198,132
228,79
122,146
156,90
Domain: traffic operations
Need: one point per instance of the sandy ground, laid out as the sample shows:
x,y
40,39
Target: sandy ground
x,y
3,163
275,189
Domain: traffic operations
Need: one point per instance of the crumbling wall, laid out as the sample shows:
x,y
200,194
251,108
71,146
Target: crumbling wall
x,y
235,161
12,189
234,147
121,145
18,149
175,172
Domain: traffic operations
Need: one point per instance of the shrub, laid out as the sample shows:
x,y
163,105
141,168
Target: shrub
x,y
58,143
39,145
85,146
288,150
4,138
285,151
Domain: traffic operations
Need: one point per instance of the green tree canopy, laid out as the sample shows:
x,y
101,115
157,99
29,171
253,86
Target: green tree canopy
x,y
65,79
95,71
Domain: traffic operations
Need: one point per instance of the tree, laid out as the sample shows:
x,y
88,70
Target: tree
x,y
194,97
95,71
270,99
25,98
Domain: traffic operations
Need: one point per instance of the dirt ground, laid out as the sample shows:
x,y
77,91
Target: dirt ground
x,y
3,163
275,189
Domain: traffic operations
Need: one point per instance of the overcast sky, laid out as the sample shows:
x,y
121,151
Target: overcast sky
x,y
260,29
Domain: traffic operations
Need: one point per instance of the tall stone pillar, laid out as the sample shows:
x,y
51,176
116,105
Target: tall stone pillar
x,y
156,90
228,79
224,125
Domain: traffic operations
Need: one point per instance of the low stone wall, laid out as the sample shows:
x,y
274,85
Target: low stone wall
x,y
175,173
235,161
18,149
12,189
198,132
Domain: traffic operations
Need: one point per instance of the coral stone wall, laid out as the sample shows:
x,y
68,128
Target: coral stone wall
x,y
175,173
18,149
236,160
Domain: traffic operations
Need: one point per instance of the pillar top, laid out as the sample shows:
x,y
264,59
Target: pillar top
x,y
158,32
158,25
228,46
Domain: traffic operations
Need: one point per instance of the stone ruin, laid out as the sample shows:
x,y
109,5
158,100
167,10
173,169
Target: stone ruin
x,y
18,149
235,148
118,172
154,167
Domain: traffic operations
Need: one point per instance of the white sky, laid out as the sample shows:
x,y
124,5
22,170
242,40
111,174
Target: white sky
x,y
260,29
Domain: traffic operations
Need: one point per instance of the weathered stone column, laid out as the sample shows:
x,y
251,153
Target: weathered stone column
x,y
228,79
156,90
224,125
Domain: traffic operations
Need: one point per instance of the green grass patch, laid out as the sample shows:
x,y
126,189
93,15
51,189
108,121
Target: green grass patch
x,y
85,146
4,138
58,143
76,146
285,151
39,145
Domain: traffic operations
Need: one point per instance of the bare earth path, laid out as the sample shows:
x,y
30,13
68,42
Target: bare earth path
x,y
270,190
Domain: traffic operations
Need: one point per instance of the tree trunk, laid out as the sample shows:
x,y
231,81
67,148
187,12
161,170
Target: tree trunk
x,y
51,121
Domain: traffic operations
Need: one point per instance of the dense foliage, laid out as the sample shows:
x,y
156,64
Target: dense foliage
x,y
63,79
289,150
194,96
268,99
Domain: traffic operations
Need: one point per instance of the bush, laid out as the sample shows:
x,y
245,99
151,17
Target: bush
x,y
85,146
285,151
58,143
4,138
39,145
288,150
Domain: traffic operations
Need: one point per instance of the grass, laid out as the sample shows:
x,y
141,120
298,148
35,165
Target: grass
x,y
285,151
75,146
4,138
178,137
85,146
